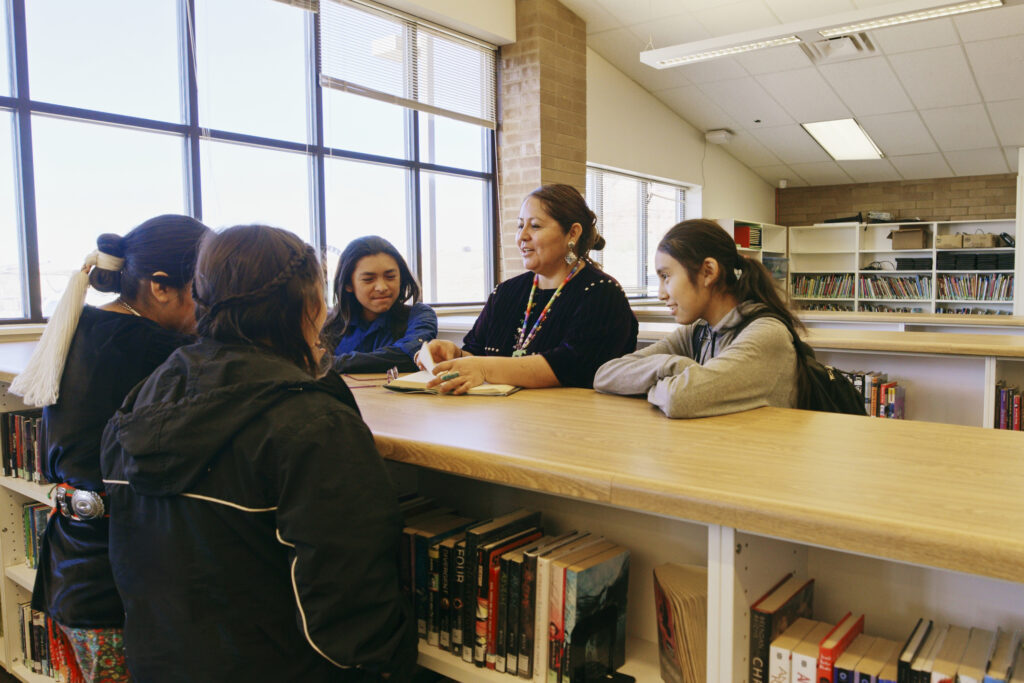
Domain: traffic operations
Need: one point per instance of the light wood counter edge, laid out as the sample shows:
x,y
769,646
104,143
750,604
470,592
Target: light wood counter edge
x,y
873,536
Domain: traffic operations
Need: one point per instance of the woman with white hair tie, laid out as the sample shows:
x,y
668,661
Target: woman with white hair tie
x,y
86,362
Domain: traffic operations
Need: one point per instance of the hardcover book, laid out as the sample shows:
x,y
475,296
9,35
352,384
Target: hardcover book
x,y
977,656
805,654
948,658
681,606
1001,667
921,668
833,645
595,616
912,647
791,598
845,667
489,556
878,655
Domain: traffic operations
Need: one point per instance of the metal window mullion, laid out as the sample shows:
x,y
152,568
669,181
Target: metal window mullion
x,y
643,198
26,168
193,167
319,177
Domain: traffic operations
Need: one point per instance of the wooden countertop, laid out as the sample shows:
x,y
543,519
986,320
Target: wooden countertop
x,y
1004,346
658,313
938,495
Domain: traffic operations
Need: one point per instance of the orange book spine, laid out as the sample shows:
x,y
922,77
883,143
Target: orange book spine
x,y
827,656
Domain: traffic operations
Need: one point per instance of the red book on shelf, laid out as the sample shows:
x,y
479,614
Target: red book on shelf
x,y
1016,412
741,234
835,643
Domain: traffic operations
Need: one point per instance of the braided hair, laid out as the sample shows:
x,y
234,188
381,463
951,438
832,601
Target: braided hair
x,y
259,285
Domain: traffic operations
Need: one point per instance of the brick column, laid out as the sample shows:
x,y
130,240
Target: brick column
x,y
543,131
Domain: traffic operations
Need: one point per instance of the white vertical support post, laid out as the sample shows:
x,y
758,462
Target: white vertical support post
x,y
721,587
1018,267
988,407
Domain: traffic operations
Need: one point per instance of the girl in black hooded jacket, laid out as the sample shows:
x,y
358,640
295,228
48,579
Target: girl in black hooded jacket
x,y
254,528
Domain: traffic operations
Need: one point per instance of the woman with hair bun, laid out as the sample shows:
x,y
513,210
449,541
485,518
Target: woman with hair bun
x,y
86,362
254,528
734,348
554,325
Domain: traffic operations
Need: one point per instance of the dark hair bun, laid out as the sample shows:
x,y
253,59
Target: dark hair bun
x,y
599,243
108,280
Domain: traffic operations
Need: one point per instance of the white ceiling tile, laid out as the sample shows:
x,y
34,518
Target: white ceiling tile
x,y
723,19
791,144
922,166
917,36
867,86
746,101
994,23
695,5
596,17
899,134
870,170
773,174
746,148
796,10
1012,158
774,59
721,69
864,4
669,31
959,128
822,173
637,11
938,77
978,161
998,67
805,95
1008,119
697,108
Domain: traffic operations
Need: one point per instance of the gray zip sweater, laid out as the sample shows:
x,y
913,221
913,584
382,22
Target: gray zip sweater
x,y
740,372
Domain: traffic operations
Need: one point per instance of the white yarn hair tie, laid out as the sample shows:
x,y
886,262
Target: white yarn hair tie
x,y
39,383
737,272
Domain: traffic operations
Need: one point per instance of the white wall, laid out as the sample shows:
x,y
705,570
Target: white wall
x,y
493,21
628,128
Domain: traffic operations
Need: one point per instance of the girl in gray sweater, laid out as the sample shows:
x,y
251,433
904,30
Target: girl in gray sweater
x,y
725,357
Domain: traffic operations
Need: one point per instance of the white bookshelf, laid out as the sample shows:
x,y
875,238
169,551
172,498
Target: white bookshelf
x,y
864,251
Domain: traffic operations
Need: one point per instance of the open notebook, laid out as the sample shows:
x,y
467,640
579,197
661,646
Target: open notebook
x,y
417,381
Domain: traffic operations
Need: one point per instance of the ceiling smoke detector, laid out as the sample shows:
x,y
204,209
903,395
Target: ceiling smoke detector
x,y
719,136
839,49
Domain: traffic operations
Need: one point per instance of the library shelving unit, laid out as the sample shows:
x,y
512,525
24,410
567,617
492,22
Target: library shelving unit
x,y
764,242
935,280
16,583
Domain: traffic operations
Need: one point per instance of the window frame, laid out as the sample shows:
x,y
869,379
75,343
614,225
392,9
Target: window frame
x,y
687,196
23,107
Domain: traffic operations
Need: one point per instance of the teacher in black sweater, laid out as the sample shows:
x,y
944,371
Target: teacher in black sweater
x,y
554,325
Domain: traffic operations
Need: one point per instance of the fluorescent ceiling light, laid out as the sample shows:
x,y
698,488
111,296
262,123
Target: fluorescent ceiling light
x,y
736,49
811,30
843,139
909,17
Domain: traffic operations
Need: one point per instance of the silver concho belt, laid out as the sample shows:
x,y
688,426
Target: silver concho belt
x,y
78,503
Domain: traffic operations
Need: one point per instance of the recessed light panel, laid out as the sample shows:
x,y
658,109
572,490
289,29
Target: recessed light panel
x,y
843,139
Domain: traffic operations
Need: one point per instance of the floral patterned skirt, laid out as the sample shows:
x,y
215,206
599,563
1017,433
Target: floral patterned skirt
x,y
98,653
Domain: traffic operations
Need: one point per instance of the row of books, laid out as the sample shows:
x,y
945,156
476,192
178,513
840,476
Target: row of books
x,y
39,649
1007,407
971,310
23,445
895,287
34,517
888,308
830,286
681,606
882,397
822,306
502,594
975,287
747,236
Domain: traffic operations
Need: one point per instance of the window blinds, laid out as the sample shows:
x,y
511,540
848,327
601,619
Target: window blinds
x,y
381,53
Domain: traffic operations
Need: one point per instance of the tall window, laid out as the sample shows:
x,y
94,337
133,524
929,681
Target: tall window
x,y
114,112
633,212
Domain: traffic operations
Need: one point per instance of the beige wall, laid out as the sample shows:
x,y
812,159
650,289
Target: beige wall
x,y
630,129
493,21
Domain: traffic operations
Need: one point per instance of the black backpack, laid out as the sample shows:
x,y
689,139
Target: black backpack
x,y
824,388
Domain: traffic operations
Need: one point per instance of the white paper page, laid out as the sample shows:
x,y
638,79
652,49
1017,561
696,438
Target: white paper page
x,y
426,359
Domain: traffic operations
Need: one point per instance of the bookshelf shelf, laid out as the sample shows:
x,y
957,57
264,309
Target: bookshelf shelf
x,y
22,673
641,663
37,492
22,575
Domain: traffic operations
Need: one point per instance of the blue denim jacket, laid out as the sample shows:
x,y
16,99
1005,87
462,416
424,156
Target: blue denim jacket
x,y
371,347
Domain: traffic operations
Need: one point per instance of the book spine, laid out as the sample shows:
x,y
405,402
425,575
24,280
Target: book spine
x,y
760,645
480,615
496,630
433,594
778,667
469,598
568,619
419,585
515,601
556,615
540,621
1016,412
527,616
444,612
458,599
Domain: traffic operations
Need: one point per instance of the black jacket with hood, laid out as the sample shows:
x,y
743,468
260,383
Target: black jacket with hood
x,y
254,529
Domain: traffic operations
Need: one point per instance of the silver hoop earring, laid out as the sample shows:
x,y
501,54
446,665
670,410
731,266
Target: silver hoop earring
x,y
571,256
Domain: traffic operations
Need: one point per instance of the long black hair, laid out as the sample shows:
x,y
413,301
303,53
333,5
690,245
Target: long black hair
x,y
258,285
167,243
566,205
692,241
347,307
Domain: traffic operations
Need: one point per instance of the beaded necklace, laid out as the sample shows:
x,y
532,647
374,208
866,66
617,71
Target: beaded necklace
x,y
524,338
